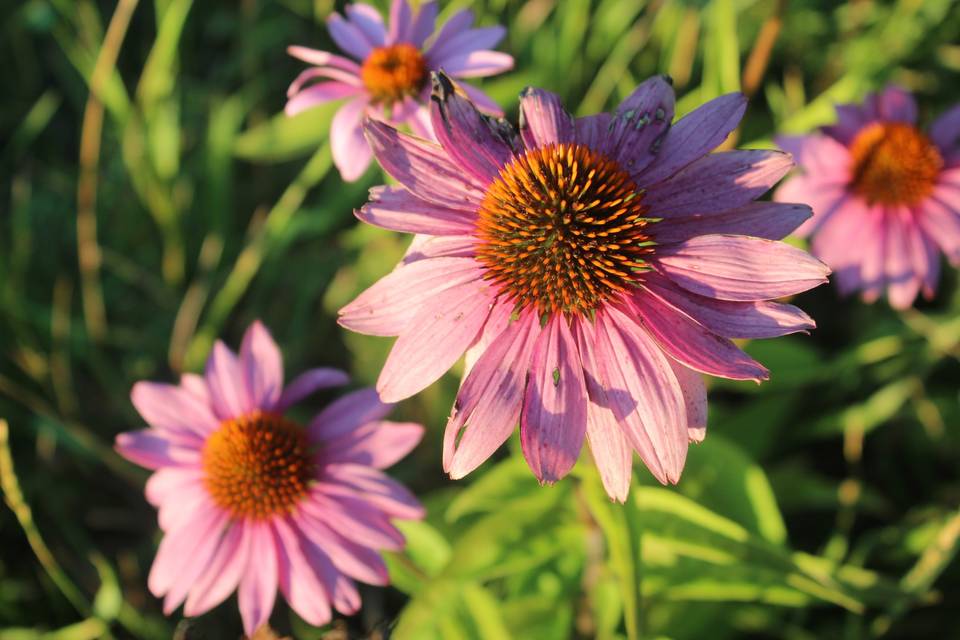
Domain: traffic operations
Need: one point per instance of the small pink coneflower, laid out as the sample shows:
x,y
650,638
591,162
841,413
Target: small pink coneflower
x,y
388,77
590,268
251,501
885,196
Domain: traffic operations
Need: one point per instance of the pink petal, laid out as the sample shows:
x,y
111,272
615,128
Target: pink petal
x,y
366,524
610,448
298,580
350,150
347,413
464,42
263,366
458,23
423,23
173,483
424,168
770,220
395,209
643,392
924,257
692,344
489,401
695,399
740,268
319,94
202,560
694,135
942,224
477,64
469,138
222,574
368,21
593,131
717,182
258,585
348,37
637,128
945,131
307,383
339,588
375,487
324,59
484,102
196,385
897,104
874,254
902,283
755,319
543,120
378,444
357,561
177,550
389,306
151,448
424,247
497,322
227,383
438,335
821,157
401,19
554,417
825,200
172,409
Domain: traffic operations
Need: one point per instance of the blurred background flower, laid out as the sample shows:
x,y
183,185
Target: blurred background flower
x,y
155,197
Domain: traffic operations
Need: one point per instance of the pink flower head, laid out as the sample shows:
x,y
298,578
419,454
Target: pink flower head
x,y
391,81
588,267
250,500
885,196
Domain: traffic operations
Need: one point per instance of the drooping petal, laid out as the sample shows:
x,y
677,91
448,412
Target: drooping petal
x,y
695,399
902,283
395,209
638,127
227,383
643,393
389,306
150,448
945,133
543,120
222,575
201,561
474,141
299,583
553,421
340,589
695,135
262,365
368,20
924,256
365,524
348,37
350,150
740,268
756,319
258,585
347,413
378,444
437,336
488,404
690,343
173,409
718,182
770,220
609,446
497,322
178,546
424,168
942,224
309,382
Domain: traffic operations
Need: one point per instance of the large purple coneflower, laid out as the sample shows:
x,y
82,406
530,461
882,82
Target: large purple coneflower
x,y
589,268
250,500
885,196
391,81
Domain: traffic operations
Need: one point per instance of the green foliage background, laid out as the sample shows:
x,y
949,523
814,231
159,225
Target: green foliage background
x,y
823,504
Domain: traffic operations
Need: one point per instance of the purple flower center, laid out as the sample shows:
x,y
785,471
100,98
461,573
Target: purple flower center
x,y
894,164
257,465
562,229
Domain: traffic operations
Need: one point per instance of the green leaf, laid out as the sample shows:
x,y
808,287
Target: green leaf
x,y
284,137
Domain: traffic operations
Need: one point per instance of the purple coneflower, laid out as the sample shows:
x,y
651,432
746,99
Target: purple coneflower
x,y
250,500
590,268
885,196
391,81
